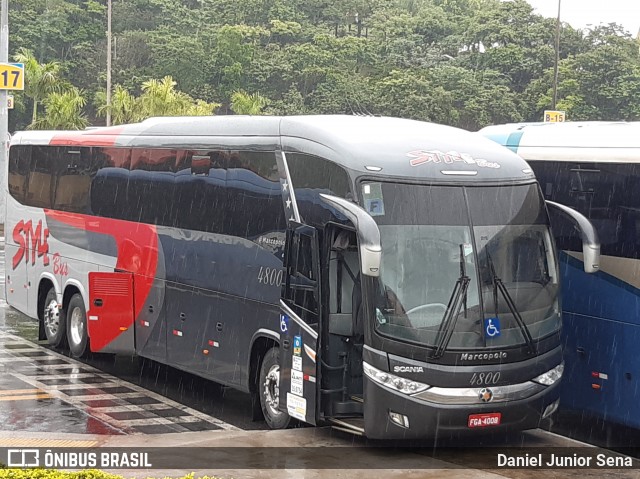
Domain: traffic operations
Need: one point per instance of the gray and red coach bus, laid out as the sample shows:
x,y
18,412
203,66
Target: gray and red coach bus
x,y
393,278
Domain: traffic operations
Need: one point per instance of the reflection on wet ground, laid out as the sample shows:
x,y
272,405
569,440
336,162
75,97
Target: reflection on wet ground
x,y
41,390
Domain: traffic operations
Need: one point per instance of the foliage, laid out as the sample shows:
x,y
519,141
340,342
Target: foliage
x,y
467,63
40,79
244,103
63,111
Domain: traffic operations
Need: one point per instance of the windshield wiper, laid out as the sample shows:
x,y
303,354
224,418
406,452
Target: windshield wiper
x,y
498,285
456,301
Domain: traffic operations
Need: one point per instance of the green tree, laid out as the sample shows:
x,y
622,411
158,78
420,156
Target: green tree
x,y
63,111
160,98
41,79
123,105
243,103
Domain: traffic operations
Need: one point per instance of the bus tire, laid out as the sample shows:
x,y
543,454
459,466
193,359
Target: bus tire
x,y
54,321
77,336
268,389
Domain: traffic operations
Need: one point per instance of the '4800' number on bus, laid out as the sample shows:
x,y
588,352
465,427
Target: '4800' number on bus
x,y
270,276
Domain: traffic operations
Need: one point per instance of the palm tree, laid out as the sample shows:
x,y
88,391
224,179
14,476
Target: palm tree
x,y
41,79
63,111
244,103
201,108
123,105
160,98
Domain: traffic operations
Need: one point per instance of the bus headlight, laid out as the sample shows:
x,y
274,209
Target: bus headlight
x,y
403,385
551,376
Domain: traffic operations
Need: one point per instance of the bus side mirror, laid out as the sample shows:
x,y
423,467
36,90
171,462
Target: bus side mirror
x,y
588,234
367,231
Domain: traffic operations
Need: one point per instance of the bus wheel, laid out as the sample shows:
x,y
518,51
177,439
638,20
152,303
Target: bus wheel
x,y
54,321
77,327
269,387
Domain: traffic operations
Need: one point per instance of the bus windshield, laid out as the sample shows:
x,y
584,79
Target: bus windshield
x,y
476,264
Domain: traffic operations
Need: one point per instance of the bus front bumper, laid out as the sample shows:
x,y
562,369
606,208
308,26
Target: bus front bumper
x,y
424,420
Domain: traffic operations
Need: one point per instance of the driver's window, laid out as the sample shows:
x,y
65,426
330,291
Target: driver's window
x,y
303,284
304,258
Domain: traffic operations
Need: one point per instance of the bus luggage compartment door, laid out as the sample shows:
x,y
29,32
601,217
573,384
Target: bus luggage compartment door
x,y
299,324
110,315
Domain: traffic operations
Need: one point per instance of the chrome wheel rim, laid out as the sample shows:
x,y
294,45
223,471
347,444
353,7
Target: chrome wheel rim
x,y
52,318
76,325
271,389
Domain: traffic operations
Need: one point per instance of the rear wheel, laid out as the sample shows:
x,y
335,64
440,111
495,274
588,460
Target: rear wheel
x,y
269,390
54,321
77,327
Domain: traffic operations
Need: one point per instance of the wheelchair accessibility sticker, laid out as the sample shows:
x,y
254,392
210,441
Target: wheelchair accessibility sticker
x,y
284,323
492,327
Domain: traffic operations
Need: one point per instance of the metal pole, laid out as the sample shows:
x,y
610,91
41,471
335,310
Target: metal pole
x,y
109,63
4,110
555,69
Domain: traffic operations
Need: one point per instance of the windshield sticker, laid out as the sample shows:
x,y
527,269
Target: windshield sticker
x,y
419,157
468,249
492,327
373,201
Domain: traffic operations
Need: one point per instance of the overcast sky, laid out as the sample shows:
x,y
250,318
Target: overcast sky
x,y
580,13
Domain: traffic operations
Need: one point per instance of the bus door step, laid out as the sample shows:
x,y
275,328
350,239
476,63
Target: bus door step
x,y
348,408
353,425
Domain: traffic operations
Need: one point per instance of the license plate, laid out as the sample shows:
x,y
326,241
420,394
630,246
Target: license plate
x,y
485,420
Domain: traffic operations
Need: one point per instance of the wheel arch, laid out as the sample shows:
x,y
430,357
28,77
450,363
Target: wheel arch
x,y
261,342
71,288
46,282
71,285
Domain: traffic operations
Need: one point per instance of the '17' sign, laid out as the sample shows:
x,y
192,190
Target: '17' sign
x,y
30,241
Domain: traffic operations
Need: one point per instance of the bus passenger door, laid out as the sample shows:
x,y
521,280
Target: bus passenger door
x,y
299,323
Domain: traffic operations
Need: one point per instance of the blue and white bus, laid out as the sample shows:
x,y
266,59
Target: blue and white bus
x,y
593,167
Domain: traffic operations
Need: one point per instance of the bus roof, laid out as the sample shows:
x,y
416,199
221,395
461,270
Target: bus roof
x,y
390,146
585,141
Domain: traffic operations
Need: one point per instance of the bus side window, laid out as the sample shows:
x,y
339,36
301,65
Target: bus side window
x,y
151,185
200,194
19,163
41,183
254,196
73,179
108,196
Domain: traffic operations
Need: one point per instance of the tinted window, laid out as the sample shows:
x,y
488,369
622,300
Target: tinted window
x,y
41,182
312,172
73,169
603,193
151,185
254,196
216,191
518,205
19,164
401,204
199,194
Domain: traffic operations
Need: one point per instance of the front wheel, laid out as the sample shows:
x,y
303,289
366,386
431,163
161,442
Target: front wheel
x,y
77,327
54,321
269,390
